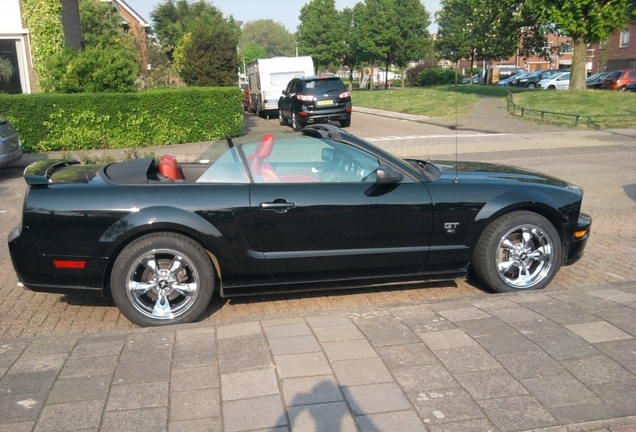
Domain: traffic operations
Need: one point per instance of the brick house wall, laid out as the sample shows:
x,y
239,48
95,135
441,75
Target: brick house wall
x,y
621,49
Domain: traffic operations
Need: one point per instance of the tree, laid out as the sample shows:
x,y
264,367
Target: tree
x,y
350,53
377,31
271,36
321,33
486,30
585,21
252,51
209,53
174,19
108,62
100,22
415,41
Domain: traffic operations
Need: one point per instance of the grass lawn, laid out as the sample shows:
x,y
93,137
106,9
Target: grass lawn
x,y
608,109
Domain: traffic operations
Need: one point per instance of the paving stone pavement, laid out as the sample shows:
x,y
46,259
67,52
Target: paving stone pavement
x,y
541,361
563,359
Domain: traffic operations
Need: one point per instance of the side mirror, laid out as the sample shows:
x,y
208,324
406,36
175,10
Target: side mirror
x,y
327,154
384,174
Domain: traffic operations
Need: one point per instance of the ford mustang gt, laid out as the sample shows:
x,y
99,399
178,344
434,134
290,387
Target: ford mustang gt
x,y
322,209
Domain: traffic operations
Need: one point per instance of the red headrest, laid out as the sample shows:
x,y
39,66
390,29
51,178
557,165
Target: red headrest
x,y
169,167
265,147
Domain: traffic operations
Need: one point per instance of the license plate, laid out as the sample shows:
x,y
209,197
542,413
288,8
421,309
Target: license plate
x,y
324,102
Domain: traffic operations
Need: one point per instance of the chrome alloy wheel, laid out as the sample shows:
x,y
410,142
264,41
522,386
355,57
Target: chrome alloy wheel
x,y
162,284
525,256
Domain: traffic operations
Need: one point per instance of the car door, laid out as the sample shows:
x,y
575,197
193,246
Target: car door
x,y
343,224
284,102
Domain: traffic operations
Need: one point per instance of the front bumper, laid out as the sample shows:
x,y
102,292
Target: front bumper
x,y
577,243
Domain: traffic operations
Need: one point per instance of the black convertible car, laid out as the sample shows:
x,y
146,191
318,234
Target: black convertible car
x,y
316,210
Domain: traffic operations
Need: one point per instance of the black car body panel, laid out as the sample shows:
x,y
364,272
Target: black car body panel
x,y
326,222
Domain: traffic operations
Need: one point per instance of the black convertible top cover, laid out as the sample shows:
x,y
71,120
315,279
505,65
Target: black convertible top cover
x,y
134,171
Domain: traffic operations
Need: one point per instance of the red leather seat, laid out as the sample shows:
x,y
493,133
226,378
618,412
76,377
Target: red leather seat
x,y
169,167
261,170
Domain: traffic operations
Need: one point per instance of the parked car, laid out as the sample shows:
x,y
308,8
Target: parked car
x,y
512,81
619,79
631,86
595,81
10,143
315,99
322,209
555,82
533,79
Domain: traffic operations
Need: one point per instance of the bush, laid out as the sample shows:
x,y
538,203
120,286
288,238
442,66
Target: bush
x,y
50,121
435,77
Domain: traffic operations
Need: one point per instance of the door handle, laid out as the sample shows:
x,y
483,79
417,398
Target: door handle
x,y
278,206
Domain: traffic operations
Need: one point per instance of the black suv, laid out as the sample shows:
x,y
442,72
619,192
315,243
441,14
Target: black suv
x,y
315,99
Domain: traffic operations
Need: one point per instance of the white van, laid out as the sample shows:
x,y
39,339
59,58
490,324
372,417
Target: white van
x,y
268,78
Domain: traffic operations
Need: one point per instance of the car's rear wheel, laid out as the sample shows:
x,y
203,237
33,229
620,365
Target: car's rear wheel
x,y
345,123
281,118
162,278
519,251
296,124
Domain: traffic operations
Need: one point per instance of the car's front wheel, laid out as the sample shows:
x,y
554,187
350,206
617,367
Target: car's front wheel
x,y
519,251
531,85
162,278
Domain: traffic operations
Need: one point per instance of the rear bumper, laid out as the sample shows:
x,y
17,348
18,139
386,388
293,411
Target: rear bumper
x,y
340,113
11,157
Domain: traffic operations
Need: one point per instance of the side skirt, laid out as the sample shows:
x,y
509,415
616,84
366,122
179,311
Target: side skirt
x,y
282,287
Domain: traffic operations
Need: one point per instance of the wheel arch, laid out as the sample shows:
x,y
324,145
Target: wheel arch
x,y
160,219
508,202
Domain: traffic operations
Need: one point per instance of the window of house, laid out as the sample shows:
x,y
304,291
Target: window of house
x,y
624,39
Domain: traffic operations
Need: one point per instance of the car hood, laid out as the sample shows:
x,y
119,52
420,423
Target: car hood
x,y
484,172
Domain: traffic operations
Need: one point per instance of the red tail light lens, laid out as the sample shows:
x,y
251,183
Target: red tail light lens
x,y
344,94
304,97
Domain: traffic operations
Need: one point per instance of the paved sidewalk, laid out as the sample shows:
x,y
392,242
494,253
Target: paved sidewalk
x,y
541,361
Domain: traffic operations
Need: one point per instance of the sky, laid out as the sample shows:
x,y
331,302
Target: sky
x,y
283,11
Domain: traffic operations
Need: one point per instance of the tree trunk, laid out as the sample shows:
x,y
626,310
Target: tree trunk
x,y
403,76
370,78
578,71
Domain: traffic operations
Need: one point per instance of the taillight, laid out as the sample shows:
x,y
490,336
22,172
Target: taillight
x,y
344,94
304,97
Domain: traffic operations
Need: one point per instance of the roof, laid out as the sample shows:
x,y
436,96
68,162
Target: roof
x,y
121,4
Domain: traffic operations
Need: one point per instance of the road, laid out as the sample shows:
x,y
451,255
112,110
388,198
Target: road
x,y
603,163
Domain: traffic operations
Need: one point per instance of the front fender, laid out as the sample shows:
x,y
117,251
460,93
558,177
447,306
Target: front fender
x,y
513,200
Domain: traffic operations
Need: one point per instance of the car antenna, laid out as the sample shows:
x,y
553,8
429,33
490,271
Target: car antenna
x,y
456,180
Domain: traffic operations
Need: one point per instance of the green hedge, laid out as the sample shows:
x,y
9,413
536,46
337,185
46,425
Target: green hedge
x,y
50,121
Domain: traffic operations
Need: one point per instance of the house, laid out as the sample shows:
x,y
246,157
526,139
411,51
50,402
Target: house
x,y
15,40
136,25
621,49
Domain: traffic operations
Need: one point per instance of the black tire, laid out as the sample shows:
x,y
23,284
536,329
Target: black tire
x,y
517,243
552,87
162,266
296,124
531,85
622,88
345,123
281,118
